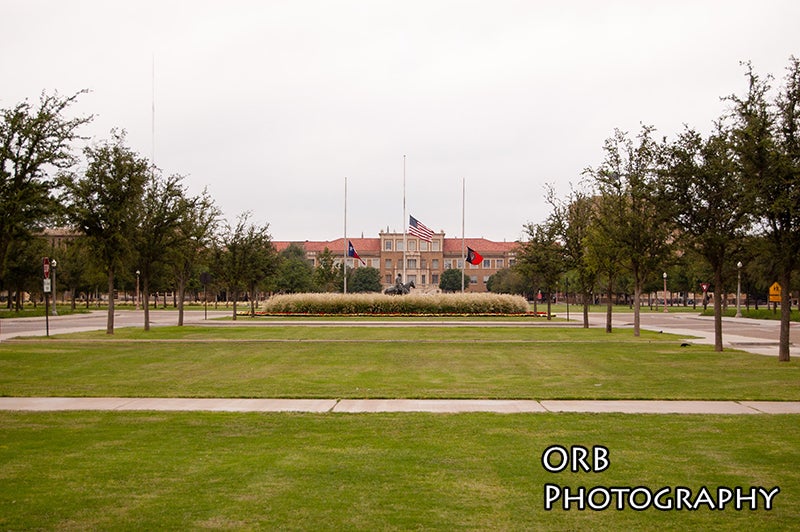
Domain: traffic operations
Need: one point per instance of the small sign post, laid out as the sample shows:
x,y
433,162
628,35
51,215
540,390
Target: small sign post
x,y
46,288
775,294
705,287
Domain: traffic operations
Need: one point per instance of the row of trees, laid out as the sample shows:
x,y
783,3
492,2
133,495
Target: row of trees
x,y
129,217
695,205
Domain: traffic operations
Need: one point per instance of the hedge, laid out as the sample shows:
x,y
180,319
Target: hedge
x,y
380,304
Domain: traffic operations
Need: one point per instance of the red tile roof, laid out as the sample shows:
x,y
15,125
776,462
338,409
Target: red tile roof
x,y
361,244
372,246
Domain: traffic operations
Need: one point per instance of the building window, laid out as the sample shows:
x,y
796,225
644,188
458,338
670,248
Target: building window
x,y
375,263
448,264
487,263
387,264
412,263
412,245
498,263
435,278
485,279
423,279
423,245
435,264
387,245
388,278
423,263
436,245
511,262
473,279
412,279
460,263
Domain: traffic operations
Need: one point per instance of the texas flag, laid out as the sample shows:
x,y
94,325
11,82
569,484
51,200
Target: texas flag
x,y
351,252
473,257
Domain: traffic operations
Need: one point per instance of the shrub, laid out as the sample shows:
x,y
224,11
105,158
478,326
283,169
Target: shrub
x,y
376,304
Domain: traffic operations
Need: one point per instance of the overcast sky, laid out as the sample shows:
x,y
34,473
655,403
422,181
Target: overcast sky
x,y
271,104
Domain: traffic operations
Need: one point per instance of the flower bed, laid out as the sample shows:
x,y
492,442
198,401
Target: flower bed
x,y
469,304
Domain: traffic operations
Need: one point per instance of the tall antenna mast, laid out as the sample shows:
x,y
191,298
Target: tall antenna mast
x,y
153,116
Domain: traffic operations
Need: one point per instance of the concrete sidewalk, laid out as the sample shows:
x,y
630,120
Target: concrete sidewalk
x,y
357,406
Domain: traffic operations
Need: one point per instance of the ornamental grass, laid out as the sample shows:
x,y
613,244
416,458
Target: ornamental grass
x,y
411,304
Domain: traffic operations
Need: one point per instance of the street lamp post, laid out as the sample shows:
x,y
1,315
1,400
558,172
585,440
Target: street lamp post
x,y
665,292
137,289
739,290
53,264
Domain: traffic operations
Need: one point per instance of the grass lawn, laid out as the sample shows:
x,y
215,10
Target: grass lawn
x,y
189,471
203,470
385,362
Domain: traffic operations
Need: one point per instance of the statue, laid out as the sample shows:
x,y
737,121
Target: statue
x,y
399,287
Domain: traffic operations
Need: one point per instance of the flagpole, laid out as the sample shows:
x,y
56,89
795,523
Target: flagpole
x,y
344,257
405,221
463,241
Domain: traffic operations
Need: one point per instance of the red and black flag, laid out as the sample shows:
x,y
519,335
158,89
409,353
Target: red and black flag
x,y
473,257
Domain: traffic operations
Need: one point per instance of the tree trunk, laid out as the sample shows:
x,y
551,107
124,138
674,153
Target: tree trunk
x,y
786,314
717,310
637,307
110,321
586,298
235,298
609,305
181,294
146,299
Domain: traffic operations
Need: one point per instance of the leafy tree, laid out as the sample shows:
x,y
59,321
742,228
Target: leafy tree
x,y
506,281
157,231
33,141
295,274
76,271
542,259
244,257
23,271
104,204
327,275
704,194
450,280
365,279
636,224
767,144
603,256
197,224
571,219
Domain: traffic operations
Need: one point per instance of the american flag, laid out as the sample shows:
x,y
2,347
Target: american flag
x,y
417,228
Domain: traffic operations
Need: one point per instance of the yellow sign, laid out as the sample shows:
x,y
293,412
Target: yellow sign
x,y
775,293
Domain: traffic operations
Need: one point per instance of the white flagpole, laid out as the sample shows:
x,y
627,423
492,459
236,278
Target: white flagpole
x,y
405,221
344,258
463,241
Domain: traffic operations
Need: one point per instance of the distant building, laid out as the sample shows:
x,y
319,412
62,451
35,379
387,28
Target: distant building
x,y
58,237
425,261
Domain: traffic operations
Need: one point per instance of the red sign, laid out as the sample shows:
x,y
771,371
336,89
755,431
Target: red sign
x,y
705,286
46,267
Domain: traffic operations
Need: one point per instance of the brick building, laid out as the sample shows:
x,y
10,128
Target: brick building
x,y
425,261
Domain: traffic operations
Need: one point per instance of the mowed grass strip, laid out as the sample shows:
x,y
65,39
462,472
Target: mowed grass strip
x,y
409,362
188,471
